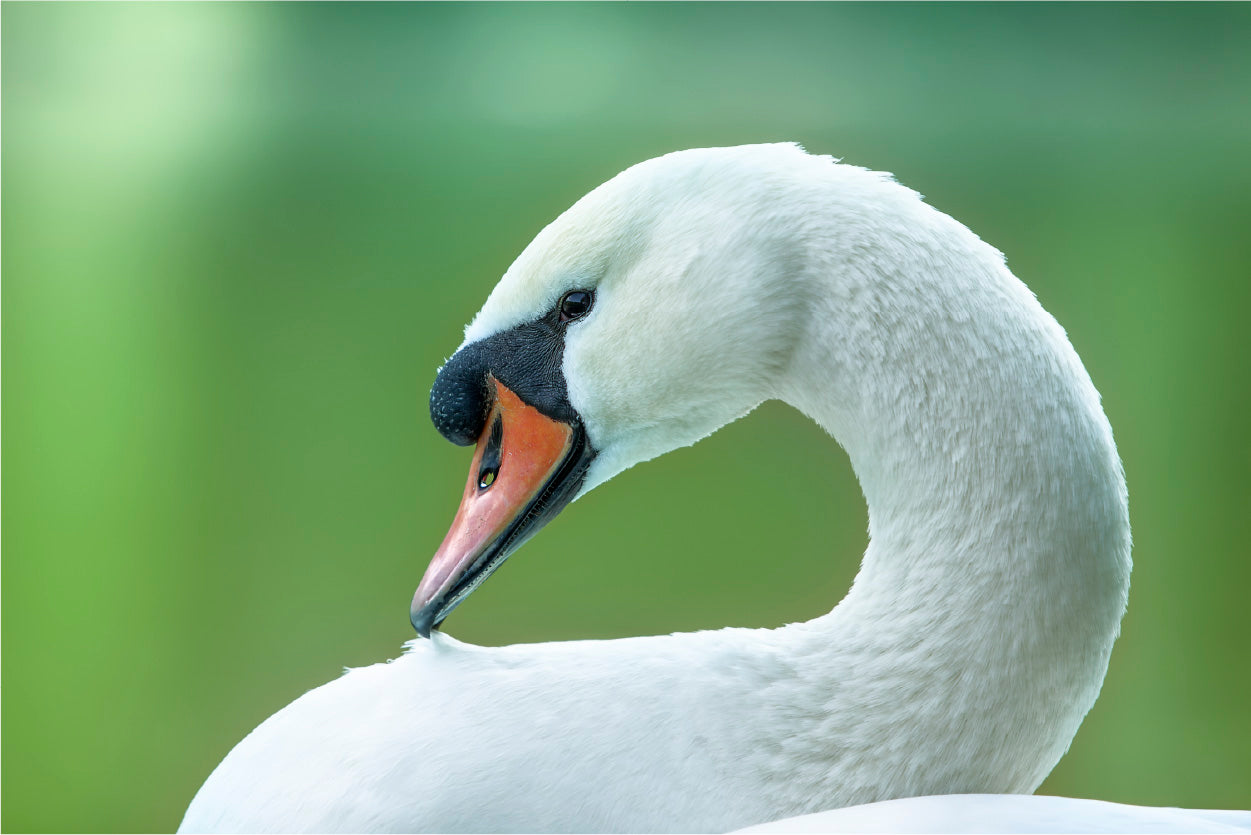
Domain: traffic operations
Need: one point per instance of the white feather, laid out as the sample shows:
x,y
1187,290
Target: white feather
x,y
978,813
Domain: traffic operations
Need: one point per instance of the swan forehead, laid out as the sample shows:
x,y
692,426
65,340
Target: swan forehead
x,y
572,252
612,225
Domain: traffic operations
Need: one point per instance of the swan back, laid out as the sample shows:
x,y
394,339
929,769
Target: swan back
x,y
987,813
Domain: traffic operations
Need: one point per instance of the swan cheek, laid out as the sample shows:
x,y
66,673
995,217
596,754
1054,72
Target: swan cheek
x,y
526,468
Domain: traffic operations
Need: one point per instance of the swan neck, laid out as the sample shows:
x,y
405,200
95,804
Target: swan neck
x,y
998,564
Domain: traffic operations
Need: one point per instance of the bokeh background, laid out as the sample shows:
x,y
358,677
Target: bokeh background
x,y
239,239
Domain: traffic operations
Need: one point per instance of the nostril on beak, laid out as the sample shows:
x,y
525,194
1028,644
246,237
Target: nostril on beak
x,y
492,454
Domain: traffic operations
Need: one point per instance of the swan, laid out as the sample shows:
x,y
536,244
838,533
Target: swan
x,y
667,302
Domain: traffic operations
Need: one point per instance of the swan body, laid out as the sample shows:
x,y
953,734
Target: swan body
x,y
667,302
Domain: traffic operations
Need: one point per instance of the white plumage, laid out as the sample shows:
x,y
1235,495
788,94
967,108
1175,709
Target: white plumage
x,y
985,813
972,643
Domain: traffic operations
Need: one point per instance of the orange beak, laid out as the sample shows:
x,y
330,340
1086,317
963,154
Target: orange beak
x,y
525,469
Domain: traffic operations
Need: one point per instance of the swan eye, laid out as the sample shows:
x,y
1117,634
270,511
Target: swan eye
x,y
575,304
486,479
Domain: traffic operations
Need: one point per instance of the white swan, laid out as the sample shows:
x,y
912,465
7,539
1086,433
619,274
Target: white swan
x,y
667,302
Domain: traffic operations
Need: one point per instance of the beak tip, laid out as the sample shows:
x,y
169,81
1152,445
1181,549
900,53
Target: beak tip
x,y
422,620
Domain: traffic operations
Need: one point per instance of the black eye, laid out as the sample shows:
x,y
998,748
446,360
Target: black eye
x,y
575,305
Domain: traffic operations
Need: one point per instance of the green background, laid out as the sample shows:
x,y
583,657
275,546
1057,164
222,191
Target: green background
x,y
239,240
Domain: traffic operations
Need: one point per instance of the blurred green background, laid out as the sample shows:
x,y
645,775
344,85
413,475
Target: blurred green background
x,y
239,239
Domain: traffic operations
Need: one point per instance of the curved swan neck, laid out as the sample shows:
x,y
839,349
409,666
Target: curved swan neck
x,y
998,564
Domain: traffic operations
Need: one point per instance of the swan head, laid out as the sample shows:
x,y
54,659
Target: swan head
x,y
653,311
